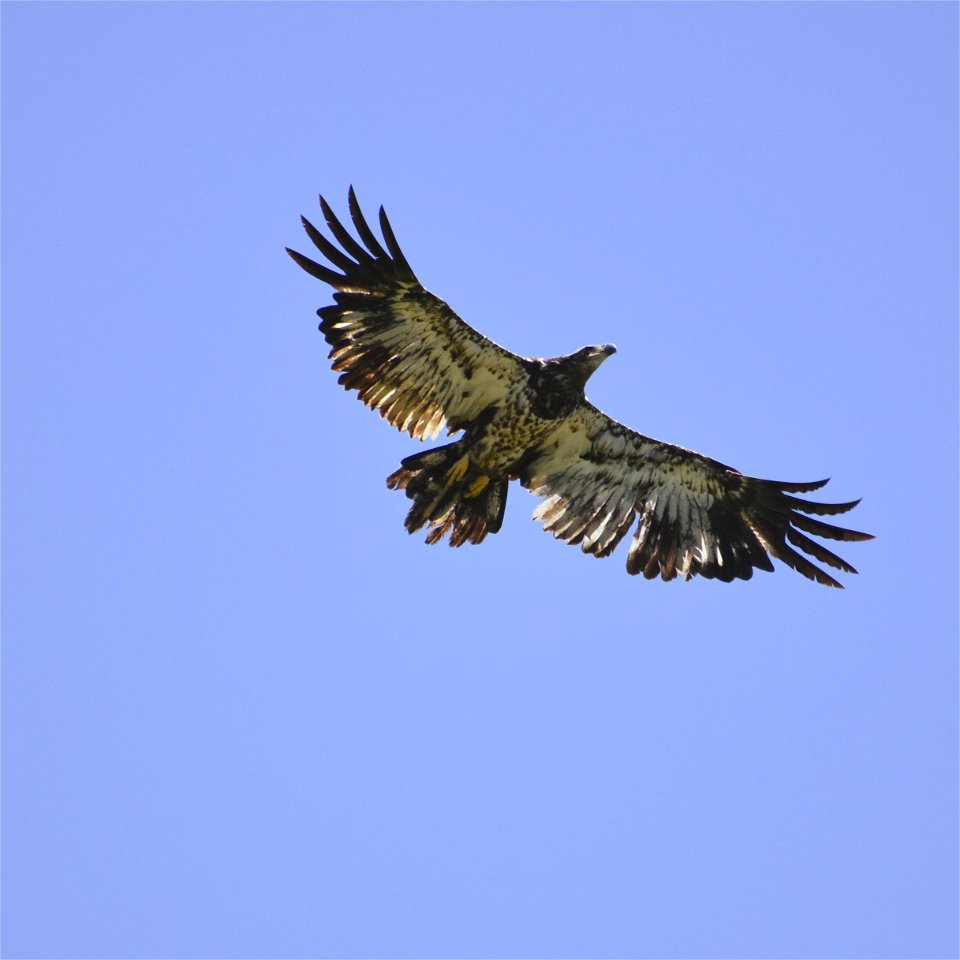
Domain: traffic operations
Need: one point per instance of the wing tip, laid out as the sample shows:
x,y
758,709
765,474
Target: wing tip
x,y
315,269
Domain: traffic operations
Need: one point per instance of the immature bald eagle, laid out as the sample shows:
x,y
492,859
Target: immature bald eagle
x,y
414,360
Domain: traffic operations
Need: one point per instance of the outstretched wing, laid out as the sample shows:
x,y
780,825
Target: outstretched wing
x,y
404,350
696,516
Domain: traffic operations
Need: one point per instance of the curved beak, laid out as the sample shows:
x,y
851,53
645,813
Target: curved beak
x,y
602,350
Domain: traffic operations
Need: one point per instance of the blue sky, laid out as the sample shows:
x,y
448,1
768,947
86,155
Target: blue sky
x,y
245,714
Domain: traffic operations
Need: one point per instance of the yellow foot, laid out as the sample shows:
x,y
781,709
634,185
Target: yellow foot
x,y
459,469
477,486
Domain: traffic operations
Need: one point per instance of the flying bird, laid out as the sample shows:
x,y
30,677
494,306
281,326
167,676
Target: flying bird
x,y
411,358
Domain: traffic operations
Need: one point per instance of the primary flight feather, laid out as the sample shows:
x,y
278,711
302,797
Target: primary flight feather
x,y
410,357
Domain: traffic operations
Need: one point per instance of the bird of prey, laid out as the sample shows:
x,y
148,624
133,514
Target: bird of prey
x,y
411,358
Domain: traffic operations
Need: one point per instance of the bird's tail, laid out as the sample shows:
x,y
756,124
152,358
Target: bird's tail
x,y
450,494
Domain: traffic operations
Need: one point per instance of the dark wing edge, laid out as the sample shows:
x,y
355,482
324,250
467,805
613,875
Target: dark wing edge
x,y
405,352
695,515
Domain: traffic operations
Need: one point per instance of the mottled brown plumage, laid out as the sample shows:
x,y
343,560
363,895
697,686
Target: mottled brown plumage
x,y
410,357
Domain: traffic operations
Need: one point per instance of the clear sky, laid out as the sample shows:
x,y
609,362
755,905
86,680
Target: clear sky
x,y
245,714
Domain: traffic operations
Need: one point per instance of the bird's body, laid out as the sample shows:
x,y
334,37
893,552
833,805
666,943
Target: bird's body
x,y
414,360
496,448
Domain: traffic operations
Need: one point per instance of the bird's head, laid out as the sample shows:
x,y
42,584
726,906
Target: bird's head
x,y
559,382
589,358
597,353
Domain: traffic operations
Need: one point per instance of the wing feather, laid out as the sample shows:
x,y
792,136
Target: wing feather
x,y
409,356
366,234
331,251
696,515
392,244
341,234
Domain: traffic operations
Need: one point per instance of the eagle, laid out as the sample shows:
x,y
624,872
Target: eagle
x,y
412,359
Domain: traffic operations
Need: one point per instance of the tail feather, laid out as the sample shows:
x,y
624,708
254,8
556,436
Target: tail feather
x,y
449,496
